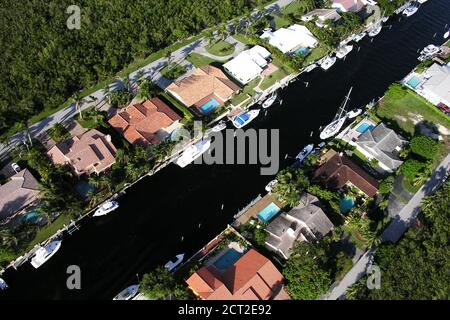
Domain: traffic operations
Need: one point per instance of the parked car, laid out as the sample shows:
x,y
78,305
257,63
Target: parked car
x,y
444,108
15,167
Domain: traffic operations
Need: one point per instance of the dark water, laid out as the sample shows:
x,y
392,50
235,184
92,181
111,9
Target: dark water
x,y
148,228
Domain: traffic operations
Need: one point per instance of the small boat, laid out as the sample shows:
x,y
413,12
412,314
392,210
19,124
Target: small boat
x,y
193,152
354,113
328,62
45,253
375,30
106,208
3,284
343,51
385,19
172,264
244,118
410,10
270,101
447,34
305,152
421,1
270,185
359,37
430,50
338,121
127,293
219,127
310,67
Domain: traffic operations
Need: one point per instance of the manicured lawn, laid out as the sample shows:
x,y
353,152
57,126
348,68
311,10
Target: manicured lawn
x,y
47,231
280,22
173,71
271,79
87,124
246,91
315,54
242,38
199,60
220,48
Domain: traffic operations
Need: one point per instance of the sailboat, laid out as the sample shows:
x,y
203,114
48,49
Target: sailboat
x,y
338,121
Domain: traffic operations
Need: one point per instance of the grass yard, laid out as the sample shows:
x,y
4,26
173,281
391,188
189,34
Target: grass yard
x,y
247,91
315,54
47,231
271,79
173,71
220,48
199,60
280,22
242,38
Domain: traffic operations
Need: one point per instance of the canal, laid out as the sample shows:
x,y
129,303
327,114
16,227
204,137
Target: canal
x,y
179,210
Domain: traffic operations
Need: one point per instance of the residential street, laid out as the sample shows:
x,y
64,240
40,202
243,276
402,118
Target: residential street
x,y
150,71
394,231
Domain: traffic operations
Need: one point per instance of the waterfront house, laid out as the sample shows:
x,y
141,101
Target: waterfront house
x,y
347,5
90,152
433,84
145,123
292,40
322,16
19,193
238,275
204,90
306,221
338,171
248,65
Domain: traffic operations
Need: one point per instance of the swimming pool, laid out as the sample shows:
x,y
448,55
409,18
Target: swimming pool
x,y
31,217
413,82
209,106
346,204
227,259
363,127
302,52
268,212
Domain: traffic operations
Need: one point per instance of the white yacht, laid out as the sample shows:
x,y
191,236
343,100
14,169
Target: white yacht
x,y
354,113
343,51
410,10
339,119
430,50
447,34
421,1
328,62
305,152
375,30
127,293
172,264
270,185
45,253
3,285
193,152
359,37
270,100
106,208
310,67
219,126
244,118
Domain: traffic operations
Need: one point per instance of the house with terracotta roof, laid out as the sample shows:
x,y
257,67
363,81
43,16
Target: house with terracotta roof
x,y
347,5
204,90
145,123
235,275
18,193
90,152
339,171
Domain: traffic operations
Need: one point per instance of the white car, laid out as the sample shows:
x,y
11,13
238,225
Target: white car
x,y
15,167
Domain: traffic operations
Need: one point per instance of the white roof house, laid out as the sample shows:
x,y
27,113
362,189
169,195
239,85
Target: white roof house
x,y
248,64
436,85
290,39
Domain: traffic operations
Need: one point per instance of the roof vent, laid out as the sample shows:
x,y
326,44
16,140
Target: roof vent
x,y
108,138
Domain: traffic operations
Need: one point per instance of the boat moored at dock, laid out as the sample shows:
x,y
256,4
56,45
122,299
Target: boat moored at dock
x,y
354,113
311,67
244,118
305,152
270,185
193,152
375,30
3,284
43,254
219,126
343,51
339,119
328,62
172,264
270,100
359,36
106,208
127,293
411,9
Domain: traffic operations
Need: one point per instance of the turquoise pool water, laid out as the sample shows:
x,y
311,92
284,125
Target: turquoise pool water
x,y
364,127
302,52
31,217
413,82
346,204
209,106
268,212
228,259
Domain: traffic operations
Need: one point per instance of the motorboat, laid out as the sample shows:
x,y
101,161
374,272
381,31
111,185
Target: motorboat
x,y
244,118
421,1
311,67
385,19
305,152
193,152
106,208
172,264
447,34
270,101
328,62
359,37
430,50
410,10
354,113
44,253
343,51
270,185
127,293
3,284
338,121
375,30
219,126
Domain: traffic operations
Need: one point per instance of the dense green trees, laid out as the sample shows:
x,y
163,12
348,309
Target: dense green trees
x,y
42,62
291,184
160,284
424,147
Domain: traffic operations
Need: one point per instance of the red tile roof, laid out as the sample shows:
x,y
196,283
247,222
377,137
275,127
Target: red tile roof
x,y
339,170
140,122
252,277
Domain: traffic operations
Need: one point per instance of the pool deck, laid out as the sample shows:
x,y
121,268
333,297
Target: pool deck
x,y
256,208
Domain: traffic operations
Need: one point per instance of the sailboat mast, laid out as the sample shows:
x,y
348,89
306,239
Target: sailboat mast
x,y
347,97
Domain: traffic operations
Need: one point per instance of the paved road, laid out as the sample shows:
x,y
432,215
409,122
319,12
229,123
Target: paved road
x,y
395,230
151,71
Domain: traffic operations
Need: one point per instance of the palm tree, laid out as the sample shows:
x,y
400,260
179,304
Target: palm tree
x,y
8,240
24,127
107,93
78,102
169,56
291,184
423,175
222,31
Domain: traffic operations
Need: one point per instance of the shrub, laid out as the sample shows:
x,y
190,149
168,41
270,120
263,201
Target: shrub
x,y
424,147
411,168
386,185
